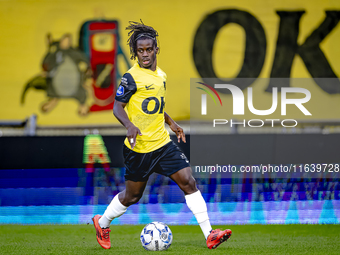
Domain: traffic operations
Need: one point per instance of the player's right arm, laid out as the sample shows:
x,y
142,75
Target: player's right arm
x,y
122,117
124,92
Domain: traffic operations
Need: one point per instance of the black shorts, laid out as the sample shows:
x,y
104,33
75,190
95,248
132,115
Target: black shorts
x,y
166,160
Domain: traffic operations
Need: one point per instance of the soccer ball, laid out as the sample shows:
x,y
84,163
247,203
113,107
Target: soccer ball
x,y
156,236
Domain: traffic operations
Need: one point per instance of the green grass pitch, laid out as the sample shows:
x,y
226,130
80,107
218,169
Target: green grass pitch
x,y
246,239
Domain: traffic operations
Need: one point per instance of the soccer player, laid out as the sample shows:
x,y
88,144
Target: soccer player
x,y
147,147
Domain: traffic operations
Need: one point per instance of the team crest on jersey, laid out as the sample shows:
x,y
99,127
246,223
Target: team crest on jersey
x,y
120,91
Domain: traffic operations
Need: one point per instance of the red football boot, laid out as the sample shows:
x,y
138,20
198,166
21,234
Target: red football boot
x,y
217,237
103,234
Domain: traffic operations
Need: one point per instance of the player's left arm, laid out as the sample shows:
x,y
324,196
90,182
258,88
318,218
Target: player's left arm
x,y
175,128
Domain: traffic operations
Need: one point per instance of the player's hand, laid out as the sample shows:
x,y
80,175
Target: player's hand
x,y
132,133
178,131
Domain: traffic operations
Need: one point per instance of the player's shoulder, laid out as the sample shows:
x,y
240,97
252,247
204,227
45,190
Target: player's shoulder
x,y
130,75
161,73
127,79
134,70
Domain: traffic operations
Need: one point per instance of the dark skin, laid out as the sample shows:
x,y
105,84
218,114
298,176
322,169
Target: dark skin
x,y
146,54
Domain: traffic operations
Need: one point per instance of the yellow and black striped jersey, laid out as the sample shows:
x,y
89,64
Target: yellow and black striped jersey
x,y
144,92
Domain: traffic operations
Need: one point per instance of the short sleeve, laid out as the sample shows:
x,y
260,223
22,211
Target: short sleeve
x,y
126,88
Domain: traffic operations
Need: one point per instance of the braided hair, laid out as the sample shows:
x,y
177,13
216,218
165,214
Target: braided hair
x,y
139,31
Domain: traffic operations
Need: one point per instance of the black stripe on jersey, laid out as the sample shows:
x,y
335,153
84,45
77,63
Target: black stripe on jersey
x,y
126,88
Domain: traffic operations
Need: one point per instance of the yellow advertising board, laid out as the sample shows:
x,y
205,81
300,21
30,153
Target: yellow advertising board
x,y
244,39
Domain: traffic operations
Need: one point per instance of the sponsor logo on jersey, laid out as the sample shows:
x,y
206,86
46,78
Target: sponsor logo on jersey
x,y
120,91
